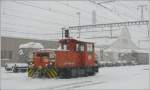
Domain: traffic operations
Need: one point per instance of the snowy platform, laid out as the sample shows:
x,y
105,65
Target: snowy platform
x,y
124,77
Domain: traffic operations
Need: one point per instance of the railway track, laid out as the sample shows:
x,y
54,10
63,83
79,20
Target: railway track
x,y
74,85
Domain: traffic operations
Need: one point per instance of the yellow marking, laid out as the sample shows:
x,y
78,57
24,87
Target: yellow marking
x,y
30,73
54,71
28,70
52,74
48,73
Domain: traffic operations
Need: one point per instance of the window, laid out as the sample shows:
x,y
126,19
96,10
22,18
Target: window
x,y
79,47
52,56
42,54
90,47
6,54
64,46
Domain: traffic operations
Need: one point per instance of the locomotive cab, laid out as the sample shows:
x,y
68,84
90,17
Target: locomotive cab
x,y
75,45
76,59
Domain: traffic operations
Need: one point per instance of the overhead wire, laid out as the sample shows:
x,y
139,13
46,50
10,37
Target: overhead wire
x,y
116,13
39,15
125,13
11,30
23,25
88,13
128,8
50,10
32,19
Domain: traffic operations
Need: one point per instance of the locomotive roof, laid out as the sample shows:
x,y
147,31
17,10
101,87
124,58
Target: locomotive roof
x,y
49,49
77,40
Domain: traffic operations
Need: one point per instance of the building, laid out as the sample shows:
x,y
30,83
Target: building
x,y
124,49
10,45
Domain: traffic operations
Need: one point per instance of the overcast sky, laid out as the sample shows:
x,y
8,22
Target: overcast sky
x,y
44,19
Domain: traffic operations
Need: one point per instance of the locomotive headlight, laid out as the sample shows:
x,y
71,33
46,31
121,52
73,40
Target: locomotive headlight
x,y
45,64
50,63
31,65
40,67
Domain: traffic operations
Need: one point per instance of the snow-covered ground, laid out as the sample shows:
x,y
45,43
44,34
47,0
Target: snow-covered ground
x,y
124,77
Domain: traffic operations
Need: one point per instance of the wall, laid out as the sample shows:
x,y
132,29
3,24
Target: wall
x,y
10,45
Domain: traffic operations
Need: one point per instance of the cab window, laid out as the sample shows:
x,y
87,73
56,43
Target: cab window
x,y
43,55
52,56
90,47
79,47
63,46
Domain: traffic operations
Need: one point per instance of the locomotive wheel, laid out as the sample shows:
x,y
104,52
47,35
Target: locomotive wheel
x,y
86,72
74,72
64,73
90,71
77,72
67,73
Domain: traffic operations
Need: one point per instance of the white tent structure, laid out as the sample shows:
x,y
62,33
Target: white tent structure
x,y
31,45
123,43
26,50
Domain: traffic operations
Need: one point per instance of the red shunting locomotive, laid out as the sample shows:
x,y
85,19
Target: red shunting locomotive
x,y
75,58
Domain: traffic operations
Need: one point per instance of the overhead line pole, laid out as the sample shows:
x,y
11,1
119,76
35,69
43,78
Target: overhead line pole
x,y
142,7
78,13
149,21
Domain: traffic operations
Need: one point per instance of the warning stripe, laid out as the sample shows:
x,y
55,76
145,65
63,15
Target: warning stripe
x,y
51,73
48,73
54,71
30,72
53,76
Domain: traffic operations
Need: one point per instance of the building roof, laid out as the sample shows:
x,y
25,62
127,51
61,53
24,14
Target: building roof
x,y
124,41
31,45
77,40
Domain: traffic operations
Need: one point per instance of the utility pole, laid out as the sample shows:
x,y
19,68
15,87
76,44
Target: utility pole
x,y
110,31
93,17
142,7
149,21
78,13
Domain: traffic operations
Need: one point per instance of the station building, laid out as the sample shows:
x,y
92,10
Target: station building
x,y
124,49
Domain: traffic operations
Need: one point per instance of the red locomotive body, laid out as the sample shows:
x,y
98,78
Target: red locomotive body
x,y
75,58
79,54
